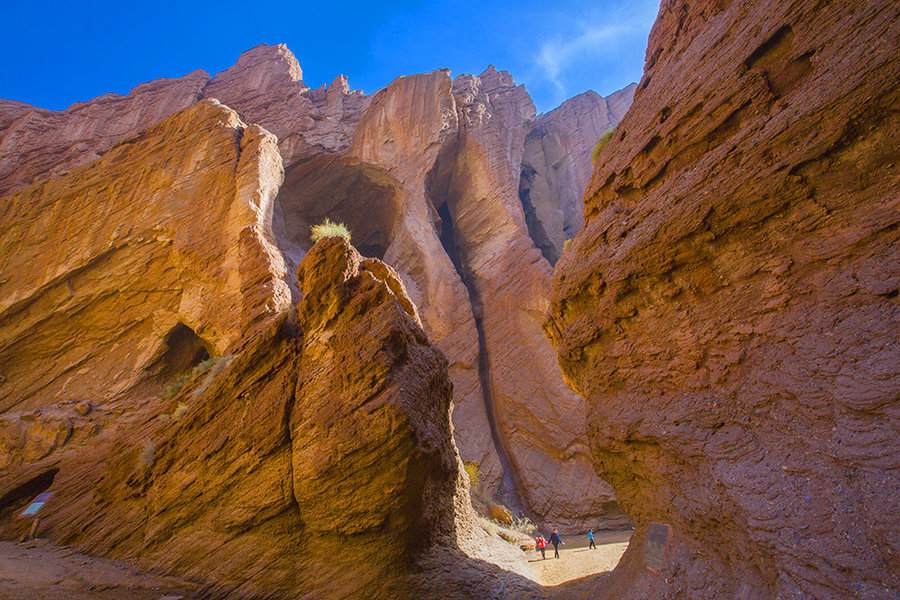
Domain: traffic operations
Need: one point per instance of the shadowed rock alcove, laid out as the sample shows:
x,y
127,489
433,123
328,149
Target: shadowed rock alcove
x,y
367,199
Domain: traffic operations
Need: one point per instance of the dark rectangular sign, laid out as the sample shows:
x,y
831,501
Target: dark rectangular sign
x,y
655,546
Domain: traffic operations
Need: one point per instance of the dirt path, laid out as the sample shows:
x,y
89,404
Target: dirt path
x,y
39,569
576,560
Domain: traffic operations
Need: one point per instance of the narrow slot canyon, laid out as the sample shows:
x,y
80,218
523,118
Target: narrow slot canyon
x,y
664,318
439,190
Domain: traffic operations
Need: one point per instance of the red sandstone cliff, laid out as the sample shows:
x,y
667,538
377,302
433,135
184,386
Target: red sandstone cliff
x,y
382,164
187,418
730,309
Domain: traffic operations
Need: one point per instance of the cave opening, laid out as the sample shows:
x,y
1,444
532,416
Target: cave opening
x,y
17,498
365,198
180,351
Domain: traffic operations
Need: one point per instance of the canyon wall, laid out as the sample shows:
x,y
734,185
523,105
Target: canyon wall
x,y
188,418
427,175
730,309
557,165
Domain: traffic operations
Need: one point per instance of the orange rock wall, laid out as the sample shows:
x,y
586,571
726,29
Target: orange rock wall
x,y
380,164
184,232
312,454
730,309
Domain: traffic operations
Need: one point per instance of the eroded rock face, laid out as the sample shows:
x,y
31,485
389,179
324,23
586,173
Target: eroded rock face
x,y
730,309
266,85
536,421
557,165
310,454
383,165
180,226
36,143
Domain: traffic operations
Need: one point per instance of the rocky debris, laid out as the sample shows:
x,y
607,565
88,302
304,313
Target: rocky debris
x,y
557,165
730,309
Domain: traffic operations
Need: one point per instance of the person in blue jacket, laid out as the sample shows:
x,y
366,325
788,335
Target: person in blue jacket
x,y
591,543
556,541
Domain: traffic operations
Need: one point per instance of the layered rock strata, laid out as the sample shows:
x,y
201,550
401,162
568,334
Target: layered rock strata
x,y
310,453
36,143
536,420
730,310
383,165
83,256
557,165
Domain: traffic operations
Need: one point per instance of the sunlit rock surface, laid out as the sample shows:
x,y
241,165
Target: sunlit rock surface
x,y
730,309
427,174
223,435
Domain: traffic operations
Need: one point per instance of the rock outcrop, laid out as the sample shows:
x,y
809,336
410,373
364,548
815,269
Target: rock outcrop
x,y
85,255
36,143
557,165
189,419
383,165
537,423
730,309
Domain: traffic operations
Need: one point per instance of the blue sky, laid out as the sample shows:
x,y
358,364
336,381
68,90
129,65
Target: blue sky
x,y
59,53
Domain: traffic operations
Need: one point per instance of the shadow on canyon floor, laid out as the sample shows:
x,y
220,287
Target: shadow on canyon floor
x,y
41,569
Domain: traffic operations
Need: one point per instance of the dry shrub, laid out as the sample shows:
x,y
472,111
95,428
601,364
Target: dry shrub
x,y
327,229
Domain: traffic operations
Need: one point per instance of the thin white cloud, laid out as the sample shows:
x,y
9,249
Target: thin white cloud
x,y
600,36
556,55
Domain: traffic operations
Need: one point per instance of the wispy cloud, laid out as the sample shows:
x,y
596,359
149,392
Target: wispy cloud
x,y
593,48
557,54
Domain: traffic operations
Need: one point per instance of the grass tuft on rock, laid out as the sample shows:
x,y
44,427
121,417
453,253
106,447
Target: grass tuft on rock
x,y
328,228
604,140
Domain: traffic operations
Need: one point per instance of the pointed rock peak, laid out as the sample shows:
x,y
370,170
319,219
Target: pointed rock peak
x,y
278,54
340,84
494,78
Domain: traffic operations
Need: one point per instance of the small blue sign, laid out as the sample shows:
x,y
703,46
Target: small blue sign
x,y
36,504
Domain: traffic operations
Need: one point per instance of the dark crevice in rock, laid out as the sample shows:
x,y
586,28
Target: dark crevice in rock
x,y
439,187
535,227
18,497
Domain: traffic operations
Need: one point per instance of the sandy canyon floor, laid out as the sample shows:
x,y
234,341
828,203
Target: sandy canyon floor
x,y
40,569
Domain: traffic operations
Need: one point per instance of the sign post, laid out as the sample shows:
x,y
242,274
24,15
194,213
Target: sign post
x,y
32,510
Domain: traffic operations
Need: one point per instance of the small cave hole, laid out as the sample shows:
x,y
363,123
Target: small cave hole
x,y
181,350
16,499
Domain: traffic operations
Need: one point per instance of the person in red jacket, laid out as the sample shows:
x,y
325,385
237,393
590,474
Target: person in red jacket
x,y
542,544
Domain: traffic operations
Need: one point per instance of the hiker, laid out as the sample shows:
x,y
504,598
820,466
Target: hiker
x,y
591,539
542,545
556,541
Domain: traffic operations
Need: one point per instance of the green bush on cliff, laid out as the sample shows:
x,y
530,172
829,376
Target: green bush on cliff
x,y
328,229
604,140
